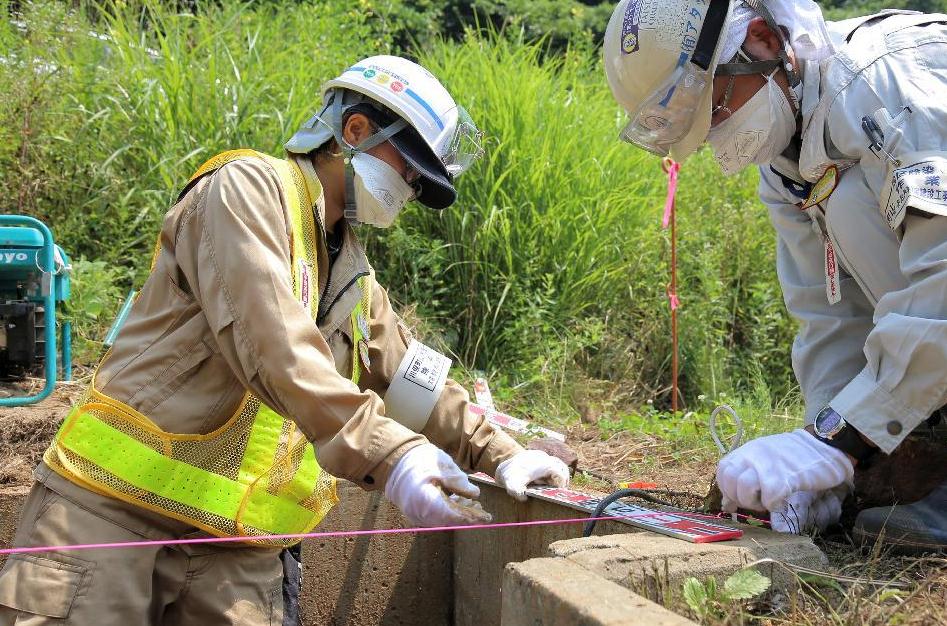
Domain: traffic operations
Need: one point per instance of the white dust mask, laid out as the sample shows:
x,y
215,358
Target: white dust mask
x,y
757,133
380,191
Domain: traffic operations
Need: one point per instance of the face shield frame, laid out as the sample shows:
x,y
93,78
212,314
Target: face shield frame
x,y
465,147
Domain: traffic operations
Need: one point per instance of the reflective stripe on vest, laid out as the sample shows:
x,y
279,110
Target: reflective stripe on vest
x,y
255,475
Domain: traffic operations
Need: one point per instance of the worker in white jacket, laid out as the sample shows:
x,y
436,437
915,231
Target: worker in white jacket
x,y
847,122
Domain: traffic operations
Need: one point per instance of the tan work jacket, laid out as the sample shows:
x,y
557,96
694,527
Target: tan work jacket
x,y
218,316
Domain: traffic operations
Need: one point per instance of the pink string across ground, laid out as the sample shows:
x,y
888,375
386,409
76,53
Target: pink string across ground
x,y
330,534
323,535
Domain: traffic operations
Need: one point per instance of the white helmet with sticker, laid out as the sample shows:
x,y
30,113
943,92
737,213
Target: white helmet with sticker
x,y
432,132
661,57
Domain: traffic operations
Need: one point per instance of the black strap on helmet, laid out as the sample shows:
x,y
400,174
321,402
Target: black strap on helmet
x,y
710,33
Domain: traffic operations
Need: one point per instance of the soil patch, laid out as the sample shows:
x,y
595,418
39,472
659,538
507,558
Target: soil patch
x,y
26,431
630,456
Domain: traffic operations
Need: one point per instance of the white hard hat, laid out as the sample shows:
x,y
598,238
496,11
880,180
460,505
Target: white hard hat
x,y
434,134
660,60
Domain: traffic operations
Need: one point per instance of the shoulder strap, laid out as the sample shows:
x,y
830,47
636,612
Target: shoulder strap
x,y
215,163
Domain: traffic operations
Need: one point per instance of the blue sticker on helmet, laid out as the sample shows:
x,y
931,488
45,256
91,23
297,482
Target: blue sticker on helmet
x,y
427,107
629,27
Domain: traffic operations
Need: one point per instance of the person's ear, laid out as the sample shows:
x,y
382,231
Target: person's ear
x,y
761,42
357,128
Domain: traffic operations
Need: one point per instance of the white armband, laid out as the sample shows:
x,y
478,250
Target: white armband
x,y
416,386
920,183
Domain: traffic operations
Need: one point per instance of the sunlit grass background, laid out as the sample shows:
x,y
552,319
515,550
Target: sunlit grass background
x,y
548,275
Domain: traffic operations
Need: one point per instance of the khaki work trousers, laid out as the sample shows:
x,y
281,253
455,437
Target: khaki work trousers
x,y
199,584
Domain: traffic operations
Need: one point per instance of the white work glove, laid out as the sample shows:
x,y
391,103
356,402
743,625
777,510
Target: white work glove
x,y
429,488
809,510
762,474
531,466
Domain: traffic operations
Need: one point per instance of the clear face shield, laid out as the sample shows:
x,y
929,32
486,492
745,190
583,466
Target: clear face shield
x,y
465,147
666,117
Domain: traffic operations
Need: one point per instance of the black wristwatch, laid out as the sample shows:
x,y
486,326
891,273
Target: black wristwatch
x,y
832,429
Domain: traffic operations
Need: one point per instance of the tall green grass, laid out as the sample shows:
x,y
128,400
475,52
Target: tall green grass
x,y
553,264
99,132
549,272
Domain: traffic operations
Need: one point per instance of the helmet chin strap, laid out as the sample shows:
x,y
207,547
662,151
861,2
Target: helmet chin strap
x,y
766,66
349,151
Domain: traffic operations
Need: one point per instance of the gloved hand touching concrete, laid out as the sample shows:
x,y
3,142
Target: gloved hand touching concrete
x,y
429,488
531,466
762,474
809,510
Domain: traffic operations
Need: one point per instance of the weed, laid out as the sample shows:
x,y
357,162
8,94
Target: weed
x,y
708,601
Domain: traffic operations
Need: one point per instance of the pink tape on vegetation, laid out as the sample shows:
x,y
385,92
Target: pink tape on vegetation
x,y
325,535
672,169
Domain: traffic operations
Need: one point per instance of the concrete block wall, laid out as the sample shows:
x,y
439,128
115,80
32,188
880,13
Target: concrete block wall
x,y
480,556
513,576
390,580
593,581
553,592
647,560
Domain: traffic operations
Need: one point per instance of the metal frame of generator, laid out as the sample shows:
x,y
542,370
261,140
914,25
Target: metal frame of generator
x,y
34,281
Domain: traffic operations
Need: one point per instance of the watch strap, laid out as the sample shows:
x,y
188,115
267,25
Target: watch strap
x,y
849,441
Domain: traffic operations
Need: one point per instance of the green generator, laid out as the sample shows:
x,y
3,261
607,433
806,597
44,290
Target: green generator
x,y
34,284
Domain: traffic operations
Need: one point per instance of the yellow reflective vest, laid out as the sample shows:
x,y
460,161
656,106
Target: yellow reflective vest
x,y
255,475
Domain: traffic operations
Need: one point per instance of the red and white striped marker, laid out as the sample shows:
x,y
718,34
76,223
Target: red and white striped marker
x,y
678,524
512,423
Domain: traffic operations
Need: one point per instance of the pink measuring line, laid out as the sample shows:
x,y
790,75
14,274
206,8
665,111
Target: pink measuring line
x,y
325,535
342,533
672,168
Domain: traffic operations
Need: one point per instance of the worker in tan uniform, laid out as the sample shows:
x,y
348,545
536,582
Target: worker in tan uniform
x,y
260,361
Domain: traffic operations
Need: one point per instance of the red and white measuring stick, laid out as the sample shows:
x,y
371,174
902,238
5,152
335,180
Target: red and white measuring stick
x,y
483,395
512,423
485,406
678,524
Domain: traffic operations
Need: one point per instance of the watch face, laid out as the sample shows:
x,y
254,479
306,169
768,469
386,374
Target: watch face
x,y
828,423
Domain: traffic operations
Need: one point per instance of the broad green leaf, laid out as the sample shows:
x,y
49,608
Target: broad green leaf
x,y
695,595
745,584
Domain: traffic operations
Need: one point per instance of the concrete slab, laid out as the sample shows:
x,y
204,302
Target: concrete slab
x,y
649,561
481,555
555,592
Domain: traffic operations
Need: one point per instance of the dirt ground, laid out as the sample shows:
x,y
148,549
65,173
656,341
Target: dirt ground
x,y
26,431
889,589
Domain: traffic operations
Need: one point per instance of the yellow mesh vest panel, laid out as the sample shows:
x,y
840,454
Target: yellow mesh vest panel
x,y
256,474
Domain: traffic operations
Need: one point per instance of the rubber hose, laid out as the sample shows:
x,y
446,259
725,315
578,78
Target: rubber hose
x,y
616,495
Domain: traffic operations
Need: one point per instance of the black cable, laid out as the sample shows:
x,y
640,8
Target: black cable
x,y
616,495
